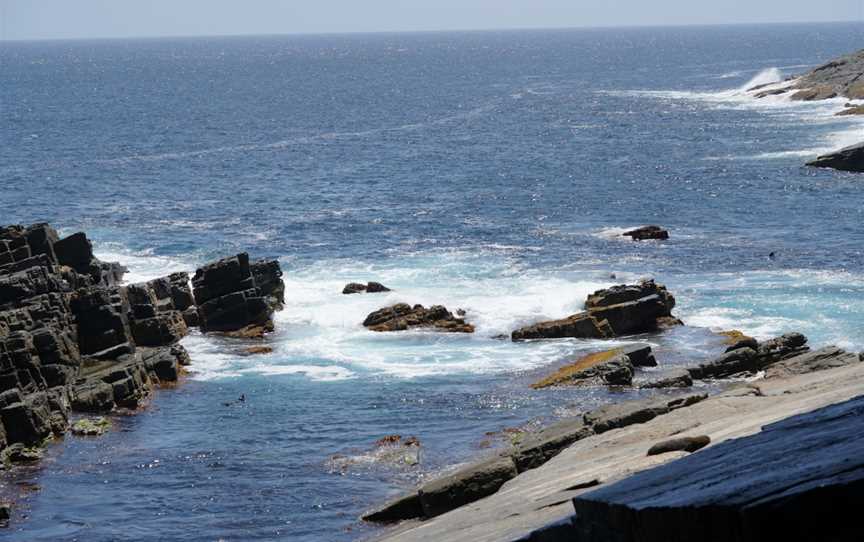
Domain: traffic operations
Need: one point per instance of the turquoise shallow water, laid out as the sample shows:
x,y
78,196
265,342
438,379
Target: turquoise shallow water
x,y
487,171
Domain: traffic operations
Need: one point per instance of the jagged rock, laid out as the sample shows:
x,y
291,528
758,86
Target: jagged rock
x,y
268,280
819,92
228,297
27,421
679,379
748,360
91,427
797,479
402,316
161,330
616,311
20,453
680,444
647,232
376,287
465,486
181,292
102,322
640,355
839,77
94,396
847,159
610,367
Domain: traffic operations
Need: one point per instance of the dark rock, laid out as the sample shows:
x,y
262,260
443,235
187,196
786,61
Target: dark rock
x,y
376,287
465,486
624,293
747,360
27,422
354,288
611,367
640,355
403,316
680,444
647,232
181,292
75,251
399,509
798,479
618,415
582,325
679,379
161,330
538,448
229,298
847,159
96,396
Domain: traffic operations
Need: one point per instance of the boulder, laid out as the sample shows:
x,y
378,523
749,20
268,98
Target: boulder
x,y
402,316
847,159
678,379
369,288
680,444
582,325
647,232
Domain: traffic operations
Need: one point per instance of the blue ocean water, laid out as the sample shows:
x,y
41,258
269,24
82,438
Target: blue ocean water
x,y
490,171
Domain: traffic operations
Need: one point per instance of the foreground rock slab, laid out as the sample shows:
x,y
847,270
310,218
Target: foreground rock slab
x,y
537,504
806,483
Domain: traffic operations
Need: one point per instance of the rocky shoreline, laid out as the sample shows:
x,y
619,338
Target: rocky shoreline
x,y
76,341
842,77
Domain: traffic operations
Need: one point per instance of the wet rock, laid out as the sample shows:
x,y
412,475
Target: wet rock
x,y
610,367
847,159
160,330
851,110
746,360
369,288
647,232
19,453
229,298
465,486
91,427
258,350
678,379
681,444
376,287
402,316
612,312
640,355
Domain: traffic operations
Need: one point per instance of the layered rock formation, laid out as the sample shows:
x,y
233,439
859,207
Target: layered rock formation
x,y
613,367
613,312
846,159
402,316
72,338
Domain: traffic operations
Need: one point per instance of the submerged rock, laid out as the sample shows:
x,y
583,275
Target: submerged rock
x,y
847,159
647,232
402,316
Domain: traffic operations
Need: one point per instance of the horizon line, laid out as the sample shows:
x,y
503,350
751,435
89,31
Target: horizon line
x,y
431,31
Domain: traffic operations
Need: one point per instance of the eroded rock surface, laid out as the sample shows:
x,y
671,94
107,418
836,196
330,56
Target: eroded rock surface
x,y
402,316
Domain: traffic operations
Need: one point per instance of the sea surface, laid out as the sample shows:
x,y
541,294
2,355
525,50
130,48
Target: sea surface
x,y
489,171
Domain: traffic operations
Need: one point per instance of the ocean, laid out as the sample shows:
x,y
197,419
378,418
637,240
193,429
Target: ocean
x,y
488,171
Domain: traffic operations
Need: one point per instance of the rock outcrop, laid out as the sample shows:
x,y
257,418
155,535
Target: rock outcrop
x,y
839,77
745,360
369,288
612,367
646,233
402,316
237,297
847,159
612,312
71,338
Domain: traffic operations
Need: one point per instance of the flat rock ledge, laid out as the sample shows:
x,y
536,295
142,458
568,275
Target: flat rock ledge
x,y
612,312
73,338
575,456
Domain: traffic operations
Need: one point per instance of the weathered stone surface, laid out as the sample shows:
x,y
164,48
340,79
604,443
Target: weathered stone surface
x,y
847,159
369,288
820,360
402,316
747,360
680,444
838,77
160,330
465,486
619,310
610,367
647,232
268,280
805,484
538,448
399,509
618,415
678,379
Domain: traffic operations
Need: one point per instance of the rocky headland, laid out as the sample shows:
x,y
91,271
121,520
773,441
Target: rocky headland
x,y
76,341
840,78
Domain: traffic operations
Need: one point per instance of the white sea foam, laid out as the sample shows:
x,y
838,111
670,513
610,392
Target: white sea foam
x,y
142,266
